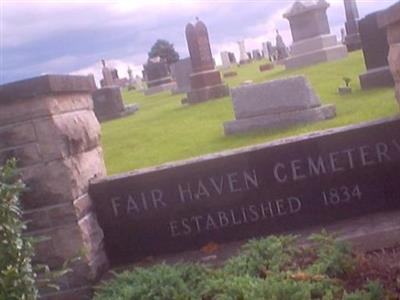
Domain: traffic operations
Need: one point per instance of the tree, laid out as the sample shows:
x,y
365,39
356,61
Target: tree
x,y
165,50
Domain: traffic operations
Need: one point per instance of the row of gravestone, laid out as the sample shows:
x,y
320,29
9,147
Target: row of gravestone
x,y
313,43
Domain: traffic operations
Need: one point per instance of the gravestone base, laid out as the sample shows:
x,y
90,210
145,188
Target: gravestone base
x,y
280,120
206,93
315,57
375,78
160,88
177,90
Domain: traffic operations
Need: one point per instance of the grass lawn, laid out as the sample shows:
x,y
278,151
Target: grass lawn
x,y
163,130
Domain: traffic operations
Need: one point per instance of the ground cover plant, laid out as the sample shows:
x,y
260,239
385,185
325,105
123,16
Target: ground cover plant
x,y
275,268
163,130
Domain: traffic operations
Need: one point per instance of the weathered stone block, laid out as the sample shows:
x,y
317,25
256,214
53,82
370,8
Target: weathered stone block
x,y
16,134
26,155
92,235
63,135
44,85
314,44
272,97
41,106
394,61
315,57
59,244
393,33
50,217
377,77
107,103
74,173
280,120
83,205
278,103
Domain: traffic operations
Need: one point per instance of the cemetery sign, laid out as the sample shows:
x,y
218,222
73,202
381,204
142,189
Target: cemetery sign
x,y
263,189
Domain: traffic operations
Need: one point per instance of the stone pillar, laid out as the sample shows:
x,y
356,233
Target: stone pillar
x,y
390,19
48,124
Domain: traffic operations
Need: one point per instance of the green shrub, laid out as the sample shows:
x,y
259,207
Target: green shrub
x,y
334,258
272,268
17,278
260,257
159,282
374,291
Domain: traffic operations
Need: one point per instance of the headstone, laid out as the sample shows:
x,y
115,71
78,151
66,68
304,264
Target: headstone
x,y
272,52
108,104
139,84
265,51
131,80
232,57
352,39
225,59
276,104
390,20
243,57
375,49
111,78
312,41
205,80
281,47
256,54
107,75
282,186
180,72
158,77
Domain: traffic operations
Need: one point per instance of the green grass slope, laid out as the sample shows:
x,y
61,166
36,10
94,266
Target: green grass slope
x,y
163,130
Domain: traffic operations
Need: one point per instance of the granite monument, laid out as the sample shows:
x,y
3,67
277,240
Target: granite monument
x,y
205,80
312,40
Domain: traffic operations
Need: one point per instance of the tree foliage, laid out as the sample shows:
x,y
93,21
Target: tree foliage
x,y
165,50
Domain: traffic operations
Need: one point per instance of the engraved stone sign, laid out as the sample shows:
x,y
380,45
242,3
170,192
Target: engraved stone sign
x,y
260,190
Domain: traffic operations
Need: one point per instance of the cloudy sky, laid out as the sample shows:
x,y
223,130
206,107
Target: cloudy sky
x,y
70,37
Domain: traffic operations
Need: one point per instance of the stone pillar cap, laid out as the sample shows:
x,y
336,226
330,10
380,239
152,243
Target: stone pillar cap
x,y
389,16
300,7
45,85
